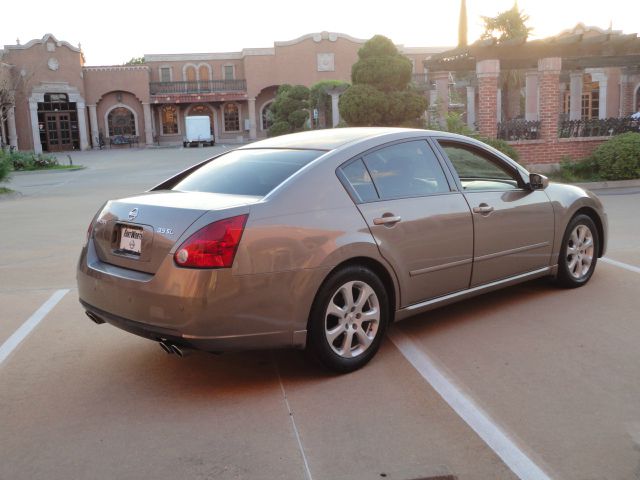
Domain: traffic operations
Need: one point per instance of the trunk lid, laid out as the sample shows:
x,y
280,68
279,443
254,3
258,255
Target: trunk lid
x,y
139,232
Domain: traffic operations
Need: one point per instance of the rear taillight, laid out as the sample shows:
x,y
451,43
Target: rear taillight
x,y
213,246
89,232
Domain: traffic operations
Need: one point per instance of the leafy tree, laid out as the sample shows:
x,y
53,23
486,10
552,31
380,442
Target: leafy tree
x,y
290,109
381,93
508,25
136,61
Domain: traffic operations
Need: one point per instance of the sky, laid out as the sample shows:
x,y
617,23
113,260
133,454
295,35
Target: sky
x,y
112,32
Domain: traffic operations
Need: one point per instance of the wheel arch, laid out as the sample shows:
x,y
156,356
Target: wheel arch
x,y
383,272
593,215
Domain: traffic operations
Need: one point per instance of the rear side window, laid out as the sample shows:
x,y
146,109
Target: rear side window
x,y
407,169
247,172
360,180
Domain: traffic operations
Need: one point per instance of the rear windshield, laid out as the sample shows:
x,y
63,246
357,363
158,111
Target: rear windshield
x,y
247,172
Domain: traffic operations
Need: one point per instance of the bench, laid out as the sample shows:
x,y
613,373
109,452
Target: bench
x,y
123,140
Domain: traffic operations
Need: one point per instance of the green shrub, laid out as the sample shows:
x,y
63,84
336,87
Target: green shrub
x,y
279,128
577,171
5,167
454,124
618,158
501,145
31,161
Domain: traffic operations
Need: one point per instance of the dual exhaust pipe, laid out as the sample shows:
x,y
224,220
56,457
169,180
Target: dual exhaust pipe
x,y
173,349
169,348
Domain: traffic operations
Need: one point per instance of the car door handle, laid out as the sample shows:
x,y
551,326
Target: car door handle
x,y
483,208
387,220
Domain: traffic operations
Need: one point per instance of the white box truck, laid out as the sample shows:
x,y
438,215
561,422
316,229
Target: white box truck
x,y
198,131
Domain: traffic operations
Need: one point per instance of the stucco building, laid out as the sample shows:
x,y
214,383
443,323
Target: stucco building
x,y
62,104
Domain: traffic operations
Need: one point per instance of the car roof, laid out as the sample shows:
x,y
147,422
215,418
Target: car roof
x,y
328,139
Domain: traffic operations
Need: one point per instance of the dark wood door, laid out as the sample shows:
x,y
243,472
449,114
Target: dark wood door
x,y
58,131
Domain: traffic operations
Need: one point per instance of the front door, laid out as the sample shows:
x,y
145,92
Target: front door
x,y
58,132
513,226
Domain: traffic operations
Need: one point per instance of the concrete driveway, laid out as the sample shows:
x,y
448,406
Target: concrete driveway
x,y
528,382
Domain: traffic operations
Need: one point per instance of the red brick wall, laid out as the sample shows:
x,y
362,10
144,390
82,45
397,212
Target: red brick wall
x,y
487,116
537,152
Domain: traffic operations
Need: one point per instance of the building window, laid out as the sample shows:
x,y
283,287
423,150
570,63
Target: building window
x,y
231,118
121,122
228,72
190,74
169,120
204,73
165,74
203,111
267,116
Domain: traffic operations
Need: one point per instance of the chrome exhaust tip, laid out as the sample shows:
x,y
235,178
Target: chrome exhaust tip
x,y
94,318
166,347
180,351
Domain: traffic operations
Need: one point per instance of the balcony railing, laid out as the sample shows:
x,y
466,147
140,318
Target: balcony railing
x,y
207,86
519,130
596,127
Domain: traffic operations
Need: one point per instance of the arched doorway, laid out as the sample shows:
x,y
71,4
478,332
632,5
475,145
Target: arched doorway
x,y
121,121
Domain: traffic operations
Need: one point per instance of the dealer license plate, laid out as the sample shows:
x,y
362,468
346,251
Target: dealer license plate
x,y
131,239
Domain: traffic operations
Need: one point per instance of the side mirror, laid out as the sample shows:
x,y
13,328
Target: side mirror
x,y
538,182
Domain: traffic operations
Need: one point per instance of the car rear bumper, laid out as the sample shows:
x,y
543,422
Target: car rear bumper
x,y
209,344
211,310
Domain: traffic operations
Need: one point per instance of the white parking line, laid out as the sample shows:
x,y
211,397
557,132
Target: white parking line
x,y
472,414
626,266
25,329
307,471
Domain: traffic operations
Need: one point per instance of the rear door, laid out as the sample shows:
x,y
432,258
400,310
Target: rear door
x,y
514,226
421,224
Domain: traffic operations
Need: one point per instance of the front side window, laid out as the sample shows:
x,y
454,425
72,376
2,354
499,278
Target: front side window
x,y
228,72
169,120
121,122
478,170
247,172
406,170
231,118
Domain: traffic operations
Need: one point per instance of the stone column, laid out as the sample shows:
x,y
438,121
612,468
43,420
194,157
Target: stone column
x,y
499,105
13,133
549,69
35,130
442,94
82,126
335,109
531,96
93,122
252,119
602,112
575,99
148,125
488,72
471,107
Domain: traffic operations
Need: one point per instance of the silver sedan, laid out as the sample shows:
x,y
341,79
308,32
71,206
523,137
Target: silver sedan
x,y
320,239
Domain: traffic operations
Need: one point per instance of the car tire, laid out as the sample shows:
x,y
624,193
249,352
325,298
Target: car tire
x,y
348,319
578,252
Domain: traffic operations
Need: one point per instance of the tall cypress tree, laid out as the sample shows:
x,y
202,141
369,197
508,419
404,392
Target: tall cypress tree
x,y
462,26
